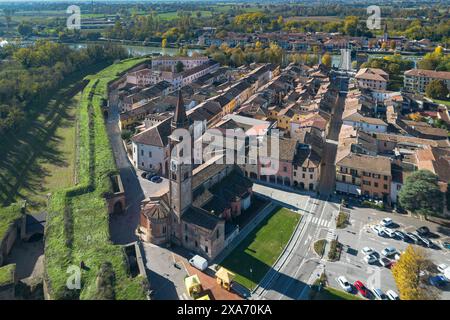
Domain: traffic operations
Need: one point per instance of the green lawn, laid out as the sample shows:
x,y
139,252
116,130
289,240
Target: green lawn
x,y
6,274
444,102
261,248
329,293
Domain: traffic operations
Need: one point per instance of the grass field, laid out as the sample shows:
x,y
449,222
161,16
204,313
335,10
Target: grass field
x,y
40,159
445,103
59,174
261,248
329,293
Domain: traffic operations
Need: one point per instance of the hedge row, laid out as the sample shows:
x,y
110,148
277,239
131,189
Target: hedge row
x,y
78,228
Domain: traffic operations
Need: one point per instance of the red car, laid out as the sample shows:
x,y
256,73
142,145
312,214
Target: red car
x,y
361,288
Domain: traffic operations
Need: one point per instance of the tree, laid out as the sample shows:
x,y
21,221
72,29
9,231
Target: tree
x,y
326,60
25,29
407,275
437,89
351,25
421,194
164,43
179,67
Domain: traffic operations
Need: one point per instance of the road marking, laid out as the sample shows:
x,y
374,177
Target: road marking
x,y
183,296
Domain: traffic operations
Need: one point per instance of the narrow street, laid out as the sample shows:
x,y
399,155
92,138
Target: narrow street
x,y
328,168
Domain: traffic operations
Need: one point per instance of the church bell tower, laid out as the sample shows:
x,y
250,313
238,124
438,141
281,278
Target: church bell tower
x,y
180,167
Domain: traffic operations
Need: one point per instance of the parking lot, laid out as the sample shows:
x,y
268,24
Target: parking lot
x,y
359,234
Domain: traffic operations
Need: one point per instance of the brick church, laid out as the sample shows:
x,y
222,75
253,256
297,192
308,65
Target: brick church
x,y
198,209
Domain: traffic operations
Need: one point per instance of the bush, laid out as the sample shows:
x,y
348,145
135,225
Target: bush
x,y
341,220
335,250
319,246
126,135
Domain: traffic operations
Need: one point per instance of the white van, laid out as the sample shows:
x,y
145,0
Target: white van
x,y
199,262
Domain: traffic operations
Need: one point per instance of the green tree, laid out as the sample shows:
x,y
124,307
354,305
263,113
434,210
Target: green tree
x,y
25,29
421,194
407,275
179,67
437,89
351,25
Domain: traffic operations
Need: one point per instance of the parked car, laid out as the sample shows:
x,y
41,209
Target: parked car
x,y
399,235
379,230
396,258
446,245
367,250
389,251
386,222
412,237
361,288
385,262
424,241
423,231
392,295
389,232
441,267
370,259
345,284
438,281
379,294
156,179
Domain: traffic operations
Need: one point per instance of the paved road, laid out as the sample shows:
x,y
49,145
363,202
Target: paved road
x,y
122,227
296,268
328,167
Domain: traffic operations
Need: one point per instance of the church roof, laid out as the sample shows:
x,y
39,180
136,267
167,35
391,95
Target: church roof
x,y
200,217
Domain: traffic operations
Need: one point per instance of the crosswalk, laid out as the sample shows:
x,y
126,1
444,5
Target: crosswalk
x,y
321,222
183,296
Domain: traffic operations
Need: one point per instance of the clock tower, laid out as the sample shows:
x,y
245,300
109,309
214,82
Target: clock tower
x,y
180,166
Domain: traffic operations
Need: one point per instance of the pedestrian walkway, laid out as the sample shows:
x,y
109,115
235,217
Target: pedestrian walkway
x,y
321,222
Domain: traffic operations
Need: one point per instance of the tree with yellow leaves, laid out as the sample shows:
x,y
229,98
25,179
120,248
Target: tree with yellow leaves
x,y
417,117
164,43
408,272
326,60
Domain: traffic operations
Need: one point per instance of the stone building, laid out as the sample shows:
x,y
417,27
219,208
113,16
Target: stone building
x,y
196,209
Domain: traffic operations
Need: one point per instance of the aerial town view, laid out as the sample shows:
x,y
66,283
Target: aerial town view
x,y
225,150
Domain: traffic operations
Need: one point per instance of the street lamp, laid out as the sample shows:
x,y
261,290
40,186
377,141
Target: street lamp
x,y
251,276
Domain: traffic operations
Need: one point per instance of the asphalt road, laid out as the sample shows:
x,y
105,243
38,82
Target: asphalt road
x,y
297,267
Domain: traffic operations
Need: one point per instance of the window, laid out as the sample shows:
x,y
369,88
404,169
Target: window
x,y
196,243
142,163
185,227
385,187
186,175
304,169
295,174
142,152
217,234
310,176
376,184
385,178
164,229
303,176
149,154
311,169
206,249
285,169
186,238
366,183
